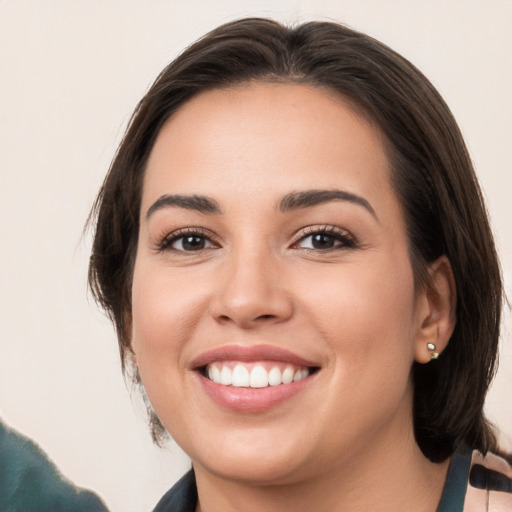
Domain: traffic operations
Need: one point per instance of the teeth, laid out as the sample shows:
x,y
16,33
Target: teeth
x,y
256,376
275,377
259,377
240,377
215,374
288,375
225,376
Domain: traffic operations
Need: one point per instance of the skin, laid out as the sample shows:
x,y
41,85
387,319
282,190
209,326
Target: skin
x,y
352,309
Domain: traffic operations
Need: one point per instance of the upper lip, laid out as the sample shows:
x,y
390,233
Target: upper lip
x,y
247,353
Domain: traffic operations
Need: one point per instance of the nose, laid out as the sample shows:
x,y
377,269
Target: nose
x,y
251,292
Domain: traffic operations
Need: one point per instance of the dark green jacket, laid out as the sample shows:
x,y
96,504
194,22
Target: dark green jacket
x,y
30,482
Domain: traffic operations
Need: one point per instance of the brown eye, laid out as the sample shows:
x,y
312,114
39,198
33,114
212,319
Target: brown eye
x,y
320,241
191,243
187,241
326,239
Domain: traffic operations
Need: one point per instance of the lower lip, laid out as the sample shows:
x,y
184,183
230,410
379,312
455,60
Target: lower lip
x,y
252,400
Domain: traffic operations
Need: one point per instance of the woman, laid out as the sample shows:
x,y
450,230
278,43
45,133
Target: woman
x,y
294,250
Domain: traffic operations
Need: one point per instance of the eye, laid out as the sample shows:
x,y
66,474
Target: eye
x,y
187,241
190,243
326,238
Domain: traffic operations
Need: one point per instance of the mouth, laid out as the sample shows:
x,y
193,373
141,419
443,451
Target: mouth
x,y
253,379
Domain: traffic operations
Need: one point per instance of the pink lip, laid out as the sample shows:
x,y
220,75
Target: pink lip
x,y
250,400
247,353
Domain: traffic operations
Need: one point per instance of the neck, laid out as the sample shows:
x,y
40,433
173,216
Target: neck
x,y
391,474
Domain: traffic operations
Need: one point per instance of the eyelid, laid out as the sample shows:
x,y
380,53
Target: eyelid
x,y
343,235
165,241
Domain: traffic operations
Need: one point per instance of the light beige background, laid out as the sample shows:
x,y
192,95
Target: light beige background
x,y
70,74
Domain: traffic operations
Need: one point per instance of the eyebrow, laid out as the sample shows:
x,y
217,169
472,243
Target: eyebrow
x,y
202,204
289,202
309,198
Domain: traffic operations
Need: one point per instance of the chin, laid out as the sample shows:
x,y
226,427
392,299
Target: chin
x,y
257,457
254,469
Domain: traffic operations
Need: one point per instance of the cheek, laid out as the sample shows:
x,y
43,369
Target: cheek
x,y
165,309
367,318
365,311
165,314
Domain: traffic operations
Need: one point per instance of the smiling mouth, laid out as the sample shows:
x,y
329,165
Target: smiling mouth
x,y
261,374
253,379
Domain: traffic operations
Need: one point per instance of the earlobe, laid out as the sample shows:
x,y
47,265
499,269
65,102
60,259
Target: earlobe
x,y
437,312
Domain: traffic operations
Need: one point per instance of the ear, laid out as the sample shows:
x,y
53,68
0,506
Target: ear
x,y
436,310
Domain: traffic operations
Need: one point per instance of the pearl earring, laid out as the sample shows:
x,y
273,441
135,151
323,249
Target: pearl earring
x,y
433,354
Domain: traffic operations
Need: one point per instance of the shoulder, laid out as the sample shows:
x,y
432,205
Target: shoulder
x,y
490,484
30,481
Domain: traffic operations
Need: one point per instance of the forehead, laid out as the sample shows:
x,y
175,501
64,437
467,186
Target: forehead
x,y
269,138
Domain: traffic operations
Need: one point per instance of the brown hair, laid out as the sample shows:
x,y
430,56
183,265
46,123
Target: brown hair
x,y
431,172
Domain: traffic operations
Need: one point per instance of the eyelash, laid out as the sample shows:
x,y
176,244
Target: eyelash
x,y
166,242
346,241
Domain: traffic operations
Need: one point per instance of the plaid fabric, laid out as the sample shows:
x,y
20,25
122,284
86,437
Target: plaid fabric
x,y
489,485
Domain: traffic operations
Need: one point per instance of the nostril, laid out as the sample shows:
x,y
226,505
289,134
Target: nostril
x,y
227,318
250,309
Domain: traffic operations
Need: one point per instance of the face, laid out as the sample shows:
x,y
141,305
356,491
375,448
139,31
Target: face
x,y
274,311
